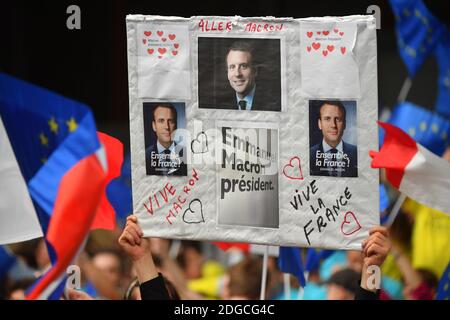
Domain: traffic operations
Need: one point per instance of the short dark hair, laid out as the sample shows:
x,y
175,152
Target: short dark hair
x,y
241,46
165,105
336,103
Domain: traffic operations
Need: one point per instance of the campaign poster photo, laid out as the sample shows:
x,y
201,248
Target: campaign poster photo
x,y
333,138
165,151
239,73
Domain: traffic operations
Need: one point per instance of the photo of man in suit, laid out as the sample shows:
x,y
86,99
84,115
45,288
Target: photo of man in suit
x,y
252,69
242,74
164,156
332,156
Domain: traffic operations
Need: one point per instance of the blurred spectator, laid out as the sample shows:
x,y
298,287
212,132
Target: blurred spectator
x,y
342,285
420,284
243,280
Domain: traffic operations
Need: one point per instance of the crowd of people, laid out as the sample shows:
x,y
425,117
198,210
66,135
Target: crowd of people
x,y
125,265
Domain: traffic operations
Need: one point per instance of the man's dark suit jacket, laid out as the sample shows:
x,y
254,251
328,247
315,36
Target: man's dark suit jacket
x,y
349,149
263,100
181,171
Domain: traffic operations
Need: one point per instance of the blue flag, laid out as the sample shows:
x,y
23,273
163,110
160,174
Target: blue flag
x,y
119,191
290,261
443,59
443,292
425,127
418,32
56,145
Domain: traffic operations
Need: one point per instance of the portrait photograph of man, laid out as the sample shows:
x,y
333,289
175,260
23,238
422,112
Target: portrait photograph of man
x,y
333,138
239,74
165,153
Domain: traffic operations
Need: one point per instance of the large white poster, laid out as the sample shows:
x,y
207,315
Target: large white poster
x,y
254,129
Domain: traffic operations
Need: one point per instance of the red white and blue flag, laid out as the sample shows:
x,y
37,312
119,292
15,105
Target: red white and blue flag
x,y
63,164
414,170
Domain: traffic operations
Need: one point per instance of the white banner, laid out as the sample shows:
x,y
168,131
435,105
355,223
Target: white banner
x,y
254,129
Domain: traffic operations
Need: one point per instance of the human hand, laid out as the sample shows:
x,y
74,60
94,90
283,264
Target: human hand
x,y
131,240
376,247
78,295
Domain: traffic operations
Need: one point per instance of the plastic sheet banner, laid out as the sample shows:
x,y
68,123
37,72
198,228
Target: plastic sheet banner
x,y
254,129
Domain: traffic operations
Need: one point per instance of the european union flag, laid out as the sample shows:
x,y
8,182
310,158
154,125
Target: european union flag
x,y
443,292
418,32
443,59
290,261
425,127
38,121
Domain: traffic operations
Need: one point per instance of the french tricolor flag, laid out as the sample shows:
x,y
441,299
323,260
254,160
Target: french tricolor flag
x,y
413,169
65,165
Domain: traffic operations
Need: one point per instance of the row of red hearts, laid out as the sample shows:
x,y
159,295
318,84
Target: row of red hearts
x,y
162,51
160,34
309,34
330,48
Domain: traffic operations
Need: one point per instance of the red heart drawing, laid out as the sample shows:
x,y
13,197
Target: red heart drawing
x,y
163,39
172,36
150,51
343,50
325,33
330,47
308,48
318,32
315,45
174,52
160,33
144,41
162,50
290,170
148,33
336,30
325,53
309,34
176,45
348,226
341,33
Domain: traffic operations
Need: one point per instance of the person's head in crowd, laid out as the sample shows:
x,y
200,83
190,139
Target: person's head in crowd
x,y
241,69
428,288
332,121
109,262
16,290
243,280
400,232
191,259
343,284
164,123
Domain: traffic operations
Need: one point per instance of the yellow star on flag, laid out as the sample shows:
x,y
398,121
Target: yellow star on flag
x,y
72,125
43,160
44,139
53,125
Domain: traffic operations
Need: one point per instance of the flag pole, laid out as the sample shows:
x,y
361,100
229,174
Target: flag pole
x,y
287,286
402,197
264,273
404,90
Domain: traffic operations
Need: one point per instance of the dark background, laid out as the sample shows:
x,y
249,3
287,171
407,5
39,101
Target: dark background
x,y
213,86
90,65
